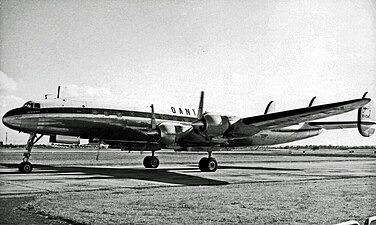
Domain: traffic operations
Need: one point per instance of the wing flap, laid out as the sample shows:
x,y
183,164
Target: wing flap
x,y
247,126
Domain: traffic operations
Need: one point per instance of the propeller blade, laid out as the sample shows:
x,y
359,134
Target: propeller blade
x,y
200,106
153,123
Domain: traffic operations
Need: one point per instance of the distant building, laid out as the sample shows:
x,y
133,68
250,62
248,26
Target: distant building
x,y
1,143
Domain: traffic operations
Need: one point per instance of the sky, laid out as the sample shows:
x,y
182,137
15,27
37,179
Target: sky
x,y
243,54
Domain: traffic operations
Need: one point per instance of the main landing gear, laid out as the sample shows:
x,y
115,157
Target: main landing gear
x,y
151,161
25,166
208,164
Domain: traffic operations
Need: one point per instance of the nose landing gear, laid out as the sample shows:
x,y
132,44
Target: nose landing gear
x,y
26,166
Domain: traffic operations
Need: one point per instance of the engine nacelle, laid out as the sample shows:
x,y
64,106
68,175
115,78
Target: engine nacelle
x,y
213,125
168,133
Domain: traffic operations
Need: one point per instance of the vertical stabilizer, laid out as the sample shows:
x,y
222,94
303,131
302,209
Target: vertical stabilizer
x,y
366,114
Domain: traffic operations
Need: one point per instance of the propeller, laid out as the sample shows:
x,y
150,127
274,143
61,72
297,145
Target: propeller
x,y
153,132
153,123
312,102
200,106
199,124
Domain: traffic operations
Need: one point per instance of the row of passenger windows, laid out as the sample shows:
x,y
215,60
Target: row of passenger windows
x,y
34,105
141,114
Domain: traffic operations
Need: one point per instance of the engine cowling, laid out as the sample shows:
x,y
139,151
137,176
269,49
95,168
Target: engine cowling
x,y
212,125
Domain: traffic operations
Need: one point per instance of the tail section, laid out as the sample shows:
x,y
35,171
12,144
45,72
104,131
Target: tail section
x,y
365,123
366,119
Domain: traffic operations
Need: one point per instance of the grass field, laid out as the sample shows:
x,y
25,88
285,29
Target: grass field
x,y
317,202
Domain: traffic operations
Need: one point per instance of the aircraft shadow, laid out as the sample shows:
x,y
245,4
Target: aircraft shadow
x,y
157,175
258,168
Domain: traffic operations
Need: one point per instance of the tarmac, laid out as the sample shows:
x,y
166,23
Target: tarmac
x,y
77,170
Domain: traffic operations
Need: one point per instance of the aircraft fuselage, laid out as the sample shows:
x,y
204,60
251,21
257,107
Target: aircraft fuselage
x,y
115,125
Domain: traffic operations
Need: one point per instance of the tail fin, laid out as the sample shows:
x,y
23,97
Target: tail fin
x,y
366,114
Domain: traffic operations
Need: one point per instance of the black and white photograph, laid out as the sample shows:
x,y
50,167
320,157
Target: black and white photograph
x,y
188,112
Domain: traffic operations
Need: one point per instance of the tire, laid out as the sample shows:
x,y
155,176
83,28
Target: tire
x,y
208,165
25,167
147,160
151,162
203,164
20,167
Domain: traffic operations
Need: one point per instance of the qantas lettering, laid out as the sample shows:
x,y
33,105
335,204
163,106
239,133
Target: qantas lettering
x,y
184,111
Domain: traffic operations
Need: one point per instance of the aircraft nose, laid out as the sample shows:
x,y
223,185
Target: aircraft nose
x,y
12,119
6,119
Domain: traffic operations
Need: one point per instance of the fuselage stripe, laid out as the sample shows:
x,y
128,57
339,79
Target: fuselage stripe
x,y
99,111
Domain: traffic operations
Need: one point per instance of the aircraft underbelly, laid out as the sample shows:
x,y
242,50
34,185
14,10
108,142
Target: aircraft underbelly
x,y
89,126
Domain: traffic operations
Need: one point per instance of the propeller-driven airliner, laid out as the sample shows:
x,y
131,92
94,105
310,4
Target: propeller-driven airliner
x,y
179,128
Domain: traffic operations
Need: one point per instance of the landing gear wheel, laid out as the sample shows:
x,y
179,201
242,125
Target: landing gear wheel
x,y
25,167
202,163
208,165
151,162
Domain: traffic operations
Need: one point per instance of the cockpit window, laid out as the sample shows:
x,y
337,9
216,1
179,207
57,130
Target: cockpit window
x,y
27,104
31,104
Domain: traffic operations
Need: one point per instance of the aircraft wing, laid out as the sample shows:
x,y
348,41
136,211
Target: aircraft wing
x,y
252,125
